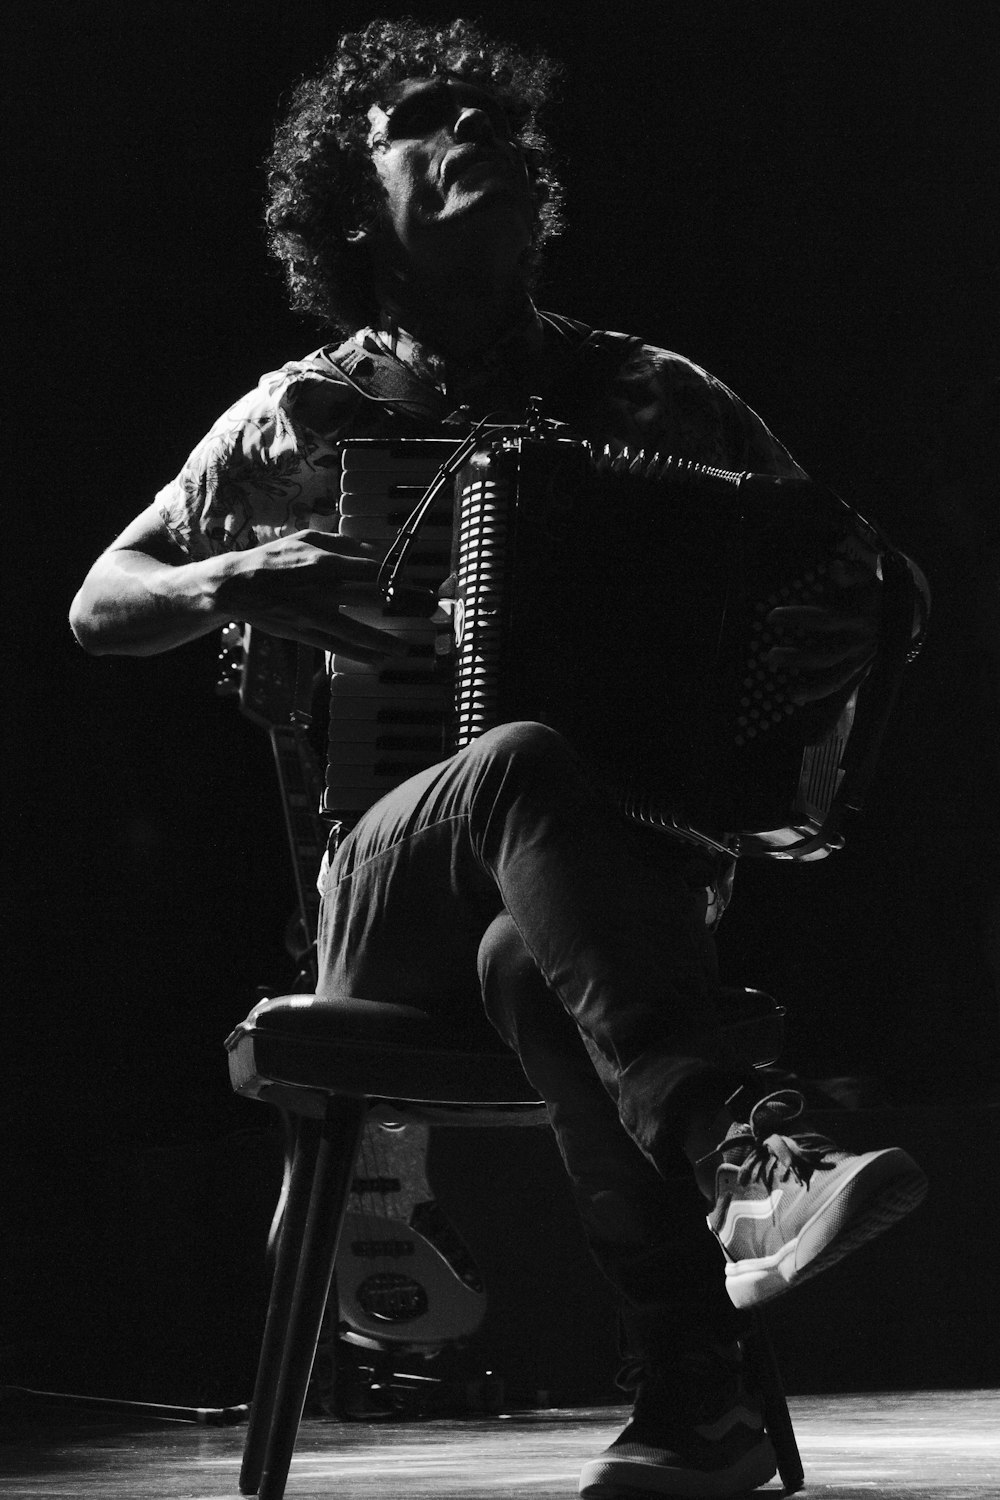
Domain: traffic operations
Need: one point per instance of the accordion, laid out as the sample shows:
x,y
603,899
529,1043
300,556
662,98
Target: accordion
x,y
623,600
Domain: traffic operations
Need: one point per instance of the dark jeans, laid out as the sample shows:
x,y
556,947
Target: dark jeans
x,y
593,963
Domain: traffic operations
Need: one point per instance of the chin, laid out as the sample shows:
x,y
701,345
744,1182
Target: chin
x,y
498,199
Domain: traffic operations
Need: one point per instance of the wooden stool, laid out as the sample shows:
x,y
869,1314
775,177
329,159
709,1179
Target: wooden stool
x,y
326,1064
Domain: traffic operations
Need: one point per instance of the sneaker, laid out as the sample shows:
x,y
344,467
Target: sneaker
x,y
697,1432
790,1206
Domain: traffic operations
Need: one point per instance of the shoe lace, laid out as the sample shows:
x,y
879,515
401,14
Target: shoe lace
x,y
630,1375
765,1147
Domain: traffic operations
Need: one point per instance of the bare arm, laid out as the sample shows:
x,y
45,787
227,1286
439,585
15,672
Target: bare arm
x,y
144,595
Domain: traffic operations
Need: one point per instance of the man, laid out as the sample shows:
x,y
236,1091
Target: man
x,y
411,190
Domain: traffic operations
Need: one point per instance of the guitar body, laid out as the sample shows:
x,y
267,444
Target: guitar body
x,y
396,1290
404,1278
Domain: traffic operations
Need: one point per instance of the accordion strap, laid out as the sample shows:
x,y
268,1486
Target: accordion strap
x,y
581,337
380,379
386,381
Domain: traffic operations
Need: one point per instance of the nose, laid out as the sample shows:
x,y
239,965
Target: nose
x,y
474,124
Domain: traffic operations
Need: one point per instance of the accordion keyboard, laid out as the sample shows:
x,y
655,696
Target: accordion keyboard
x,y
388,723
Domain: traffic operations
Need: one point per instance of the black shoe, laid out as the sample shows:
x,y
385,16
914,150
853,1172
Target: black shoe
x,y
695,1431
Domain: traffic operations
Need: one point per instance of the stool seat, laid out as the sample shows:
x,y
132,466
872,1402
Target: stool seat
x,y
293,1051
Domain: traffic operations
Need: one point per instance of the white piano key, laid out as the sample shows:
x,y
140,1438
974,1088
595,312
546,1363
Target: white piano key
x,y
400,457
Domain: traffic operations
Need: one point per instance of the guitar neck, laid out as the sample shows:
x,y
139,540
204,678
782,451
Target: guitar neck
x,y
299,781
273,680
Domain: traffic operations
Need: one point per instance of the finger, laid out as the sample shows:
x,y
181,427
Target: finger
x,y
336,566
344,546
302,599
356,632
407,601
810,678
813,619
814,690
331,631
345,580
346,556
845,573
795,662
349,591
322,640
363,654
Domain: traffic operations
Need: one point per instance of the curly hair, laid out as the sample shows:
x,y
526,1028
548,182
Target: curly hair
x,y
321,181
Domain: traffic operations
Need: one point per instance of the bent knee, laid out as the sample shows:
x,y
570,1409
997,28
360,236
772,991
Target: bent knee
x,y
504,961
512,986
525,740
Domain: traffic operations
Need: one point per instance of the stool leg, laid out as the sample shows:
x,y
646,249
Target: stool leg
x,y
286,1264
759,1353
340,1139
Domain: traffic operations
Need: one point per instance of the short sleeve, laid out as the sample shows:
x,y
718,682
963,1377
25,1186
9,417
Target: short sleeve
x,y
664,400
268,468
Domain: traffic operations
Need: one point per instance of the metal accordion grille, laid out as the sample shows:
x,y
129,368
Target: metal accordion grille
x,y
483,529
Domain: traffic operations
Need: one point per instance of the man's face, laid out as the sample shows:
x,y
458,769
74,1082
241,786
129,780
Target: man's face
x,y
451,173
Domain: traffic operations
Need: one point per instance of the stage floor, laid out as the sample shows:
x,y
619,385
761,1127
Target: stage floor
x,y
892,1446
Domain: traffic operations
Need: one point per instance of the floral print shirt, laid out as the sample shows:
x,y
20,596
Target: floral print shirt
x,y
270,466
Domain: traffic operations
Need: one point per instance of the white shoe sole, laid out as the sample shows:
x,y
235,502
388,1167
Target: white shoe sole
x,y
882,1189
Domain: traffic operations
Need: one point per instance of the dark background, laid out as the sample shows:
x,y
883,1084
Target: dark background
x,y
801,198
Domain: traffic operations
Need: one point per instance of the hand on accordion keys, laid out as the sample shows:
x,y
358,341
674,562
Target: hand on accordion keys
x,y
295,586
827,647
